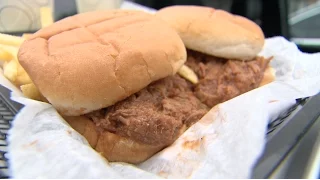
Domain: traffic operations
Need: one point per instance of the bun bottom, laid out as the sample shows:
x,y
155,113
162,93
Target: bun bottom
x,y
268,76
111,146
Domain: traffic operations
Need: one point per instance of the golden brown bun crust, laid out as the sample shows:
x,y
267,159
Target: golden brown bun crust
x,y
120,149
268,76
90,61
85,127
113,147
215,32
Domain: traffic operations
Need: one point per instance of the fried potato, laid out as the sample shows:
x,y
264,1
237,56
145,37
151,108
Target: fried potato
x,y
188,74
22,76
5,55
6,39
10,70
46,16
32,92
26,35
11,50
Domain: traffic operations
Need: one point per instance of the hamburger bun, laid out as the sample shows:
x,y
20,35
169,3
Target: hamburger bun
x,y
214,32
93,60
113,147
268,76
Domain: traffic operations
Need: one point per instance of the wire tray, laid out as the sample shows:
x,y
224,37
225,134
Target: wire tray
x,y
7,114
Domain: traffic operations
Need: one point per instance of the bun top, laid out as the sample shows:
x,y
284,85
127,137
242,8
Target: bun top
x,y
215,32
92,60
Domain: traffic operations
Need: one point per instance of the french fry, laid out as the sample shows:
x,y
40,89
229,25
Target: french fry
x,y
6,39
26,35
22,76
5,55
22,79
10,70
12,50
46,16
188,74
31,91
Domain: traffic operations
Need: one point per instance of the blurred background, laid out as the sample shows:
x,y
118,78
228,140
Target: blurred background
x,y
296,20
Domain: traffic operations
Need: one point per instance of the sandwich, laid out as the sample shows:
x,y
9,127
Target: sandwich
x,y
222,49
112,76
118,77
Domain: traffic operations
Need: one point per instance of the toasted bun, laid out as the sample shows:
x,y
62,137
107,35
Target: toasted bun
x,y
215,32
111,146
268,76
85,127
90,61
120,149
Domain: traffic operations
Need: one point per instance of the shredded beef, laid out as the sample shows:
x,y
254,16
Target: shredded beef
x,y
222,79
156,114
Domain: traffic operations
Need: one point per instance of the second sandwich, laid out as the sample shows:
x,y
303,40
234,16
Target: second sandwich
x,y
222,49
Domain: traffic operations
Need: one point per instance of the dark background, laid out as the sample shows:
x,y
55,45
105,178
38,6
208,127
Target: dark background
x,y
296,20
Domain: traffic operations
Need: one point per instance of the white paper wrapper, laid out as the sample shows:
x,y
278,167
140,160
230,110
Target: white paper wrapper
x,y
224,144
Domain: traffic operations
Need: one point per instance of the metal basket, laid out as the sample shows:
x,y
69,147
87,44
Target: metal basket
x,y
7,114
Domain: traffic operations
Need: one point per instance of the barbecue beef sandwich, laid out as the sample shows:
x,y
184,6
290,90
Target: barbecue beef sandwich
x,y
111,75
222,50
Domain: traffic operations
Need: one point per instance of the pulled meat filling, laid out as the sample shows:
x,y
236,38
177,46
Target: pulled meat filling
x,y
156,114
222,79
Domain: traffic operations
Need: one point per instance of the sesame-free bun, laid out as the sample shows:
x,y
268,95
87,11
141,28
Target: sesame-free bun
x,y
214,32
111,146
93,60
268,76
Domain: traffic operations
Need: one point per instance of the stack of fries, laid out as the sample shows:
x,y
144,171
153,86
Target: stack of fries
x,y
12,70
